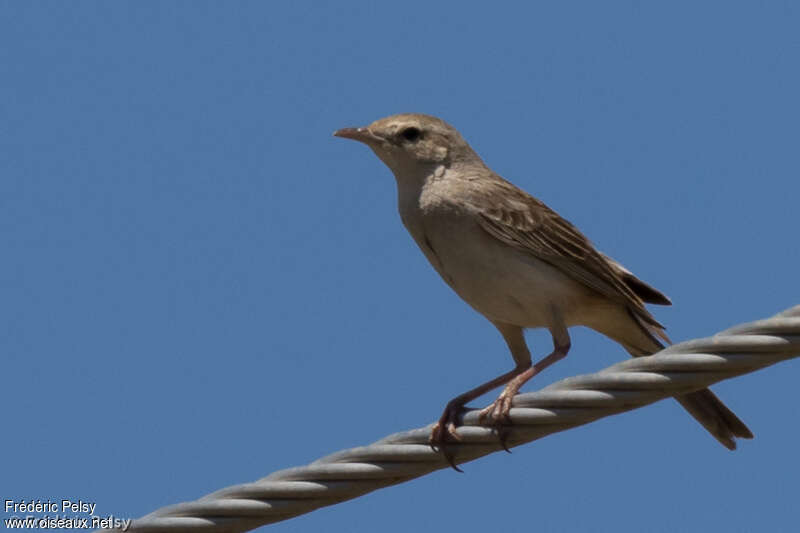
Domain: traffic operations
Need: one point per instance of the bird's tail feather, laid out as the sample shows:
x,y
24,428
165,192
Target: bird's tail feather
x,y
703,405
715,416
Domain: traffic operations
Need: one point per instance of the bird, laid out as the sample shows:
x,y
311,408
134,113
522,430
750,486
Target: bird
x,y
518,263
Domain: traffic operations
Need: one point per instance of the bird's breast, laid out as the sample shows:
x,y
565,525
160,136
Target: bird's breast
x,y
499,281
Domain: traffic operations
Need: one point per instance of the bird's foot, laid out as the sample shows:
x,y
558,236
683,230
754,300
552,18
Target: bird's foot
x,y
445,430
496,416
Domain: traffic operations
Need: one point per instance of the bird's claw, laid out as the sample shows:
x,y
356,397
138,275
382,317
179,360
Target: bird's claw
x,y
445,430
497,411
498,414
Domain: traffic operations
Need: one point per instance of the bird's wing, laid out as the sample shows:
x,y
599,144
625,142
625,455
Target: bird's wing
x,y
643,290
520,220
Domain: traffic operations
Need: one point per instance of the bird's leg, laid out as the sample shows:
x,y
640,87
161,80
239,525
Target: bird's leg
x,y
498,410
445,428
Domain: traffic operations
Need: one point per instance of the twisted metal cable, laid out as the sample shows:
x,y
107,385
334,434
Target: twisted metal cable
x,y
572,402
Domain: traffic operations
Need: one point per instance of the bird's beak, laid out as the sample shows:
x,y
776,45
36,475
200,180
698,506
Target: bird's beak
x,y
357,134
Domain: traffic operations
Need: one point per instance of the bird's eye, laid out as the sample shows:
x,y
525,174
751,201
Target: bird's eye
x,y
411,134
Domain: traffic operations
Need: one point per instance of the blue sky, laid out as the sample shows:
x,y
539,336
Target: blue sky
x,y
202,286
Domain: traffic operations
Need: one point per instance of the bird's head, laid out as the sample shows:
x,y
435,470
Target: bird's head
x,y
413,142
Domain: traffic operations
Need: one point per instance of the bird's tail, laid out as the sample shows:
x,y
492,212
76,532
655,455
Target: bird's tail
x,y
715,416
703,405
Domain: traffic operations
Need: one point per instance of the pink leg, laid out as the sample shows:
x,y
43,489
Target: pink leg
x,y
445,428
498,410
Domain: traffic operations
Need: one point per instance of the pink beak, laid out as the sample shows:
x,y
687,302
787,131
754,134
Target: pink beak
x,y
357,134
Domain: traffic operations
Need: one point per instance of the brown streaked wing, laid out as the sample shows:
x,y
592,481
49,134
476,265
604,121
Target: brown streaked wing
x,y
520,220
643,290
